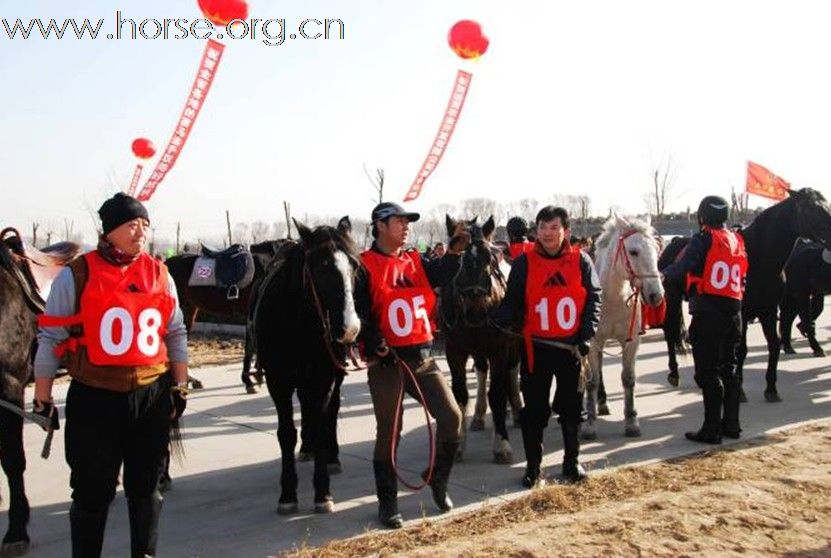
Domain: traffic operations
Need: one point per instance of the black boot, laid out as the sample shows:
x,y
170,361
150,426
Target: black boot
x,y
710,432
87,531
572,470
144,524
730,426
386,486
445,454
532,440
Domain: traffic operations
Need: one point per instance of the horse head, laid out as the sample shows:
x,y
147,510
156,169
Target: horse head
x,y
813,215
330,264
629,249
479,284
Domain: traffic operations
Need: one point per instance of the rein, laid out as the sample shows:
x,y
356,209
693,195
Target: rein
x,y
324,319
634,299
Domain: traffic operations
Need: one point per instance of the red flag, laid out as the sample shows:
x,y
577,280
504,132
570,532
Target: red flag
x,y
762,182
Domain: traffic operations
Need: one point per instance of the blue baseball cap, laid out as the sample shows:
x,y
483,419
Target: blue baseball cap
x,y
386,210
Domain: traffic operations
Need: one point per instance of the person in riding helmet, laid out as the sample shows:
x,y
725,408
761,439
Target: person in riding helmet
x,y
517,229
714,267
395,299
553,296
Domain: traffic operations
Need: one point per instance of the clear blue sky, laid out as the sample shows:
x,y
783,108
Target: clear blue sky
x,y
572,98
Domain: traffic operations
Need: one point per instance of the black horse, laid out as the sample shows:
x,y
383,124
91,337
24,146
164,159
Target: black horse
x,y
674,327
807,281
466,303
769,240
21,303
304,319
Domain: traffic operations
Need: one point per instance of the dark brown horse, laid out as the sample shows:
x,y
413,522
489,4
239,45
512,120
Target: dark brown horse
x,y
466,303
21,302
807,282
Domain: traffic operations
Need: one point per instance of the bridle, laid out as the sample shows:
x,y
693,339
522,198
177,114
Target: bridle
x,y
471,291
635,299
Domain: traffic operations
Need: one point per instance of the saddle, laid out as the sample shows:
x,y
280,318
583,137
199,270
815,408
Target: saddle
x,y
231,269
35,269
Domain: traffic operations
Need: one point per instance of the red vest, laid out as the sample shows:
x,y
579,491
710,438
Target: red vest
x,y
725,267
554,295
516,249
124,313
403,302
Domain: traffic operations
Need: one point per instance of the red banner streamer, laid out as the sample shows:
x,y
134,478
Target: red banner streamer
x,y
448,124
134,182
198,93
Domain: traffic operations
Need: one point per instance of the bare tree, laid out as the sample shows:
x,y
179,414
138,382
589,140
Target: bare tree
x,y
478,207
663,178
377,183
259,231
739,203
68,226
242,233
35,234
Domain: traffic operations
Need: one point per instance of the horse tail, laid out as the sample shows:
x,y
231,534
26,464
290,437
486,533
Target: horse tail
x,y
177,447
675,330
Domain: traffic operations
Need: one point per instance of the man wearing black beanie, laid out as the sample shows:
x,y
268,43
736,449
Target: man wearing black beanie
x,y
114,313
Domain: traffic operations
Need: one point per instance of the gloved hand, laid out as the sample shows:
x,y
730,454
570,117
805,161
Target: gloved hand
x,y
385,355
47,409
583,348
178,401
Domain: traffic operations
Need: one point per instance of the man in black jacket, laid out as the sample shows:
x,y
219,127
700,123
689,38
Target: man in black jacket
x,y
553,297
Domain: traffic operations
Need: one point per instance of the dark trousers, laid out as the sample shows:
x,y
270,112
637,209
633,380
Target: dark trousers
x,y
549,363
105,429
384,386
715,340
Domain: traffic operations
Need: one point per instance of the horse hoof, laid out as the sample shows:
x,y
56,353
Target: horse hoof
x,y
673,379
742,396
603,409
196,384
260,379
304,455
477,424
818,352
326,506
17,548
287,508
632,431
788,350
503,458
334,468
251,389
588,434
772,397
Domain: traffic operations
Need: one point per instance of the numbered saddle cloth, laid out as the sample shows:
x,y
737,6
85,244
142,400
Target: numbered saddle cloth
x,y
232,267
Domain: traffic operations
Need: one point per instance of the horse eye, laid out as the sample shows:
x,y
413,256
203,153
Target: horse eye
x,y
633,253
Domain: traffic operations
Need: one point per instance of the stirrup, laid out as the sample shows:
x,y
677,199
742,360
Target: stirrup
x,y
233,292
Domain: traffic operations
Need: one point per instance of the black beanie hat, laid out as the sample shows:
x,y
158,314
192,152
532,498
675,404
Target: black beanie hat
x,y
119,209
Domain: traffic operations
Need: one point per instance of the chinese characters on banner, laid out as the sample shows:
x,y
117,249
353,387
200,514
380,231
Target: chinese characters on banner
x,y
762,182
198,92
136,177
448,124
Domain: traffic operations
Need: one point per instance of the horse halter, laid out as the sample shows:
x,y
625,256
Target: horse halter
x,y
477,289
635,298
325,322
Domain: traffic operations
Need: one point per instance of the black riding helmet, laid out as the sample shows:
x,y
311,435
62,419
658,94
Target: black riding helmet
x,y
713,211
517,228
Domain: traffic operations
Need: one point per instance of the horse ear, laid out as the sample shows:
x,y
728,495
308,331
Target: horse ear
x,y
304,231
345,225
621,222
648,219
451,225
488,227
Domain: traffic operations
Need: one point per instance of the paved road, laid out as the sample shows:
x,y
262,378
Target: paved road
x,y
225,495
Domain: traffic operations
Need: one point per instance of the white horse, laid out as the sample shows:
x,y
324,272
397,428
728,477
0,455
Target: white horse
x,y
626,259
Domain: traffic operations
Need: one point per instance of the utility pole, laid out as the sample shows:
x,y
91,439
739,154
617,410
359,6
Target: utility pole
x,y
228,222
287,211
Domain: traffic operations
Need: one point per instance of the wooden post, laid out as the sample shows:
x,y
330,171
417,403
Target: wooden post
x,y
287,209
228,222
35,234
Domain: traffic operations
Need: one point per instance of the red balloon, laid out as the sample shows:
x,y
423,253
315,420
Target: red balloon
x,y
466,39
143,148
222,12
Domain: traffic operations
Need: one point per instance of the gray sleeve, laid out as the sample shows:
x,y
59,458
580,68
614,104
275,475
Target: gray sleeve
x,y
176,338
61,302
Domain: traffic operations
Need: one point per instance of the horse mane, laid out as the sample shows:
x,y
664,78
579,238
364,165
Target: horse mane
x,y
611,228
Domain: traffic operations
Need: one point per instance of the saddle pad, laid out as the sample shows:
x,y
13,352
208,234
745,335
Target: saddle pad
x,y
204,273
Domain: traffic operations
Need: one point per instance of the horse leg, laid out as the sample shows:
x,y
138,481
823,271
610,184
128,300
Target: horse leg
x,y
246,363
334,465
13,460
772,338
281,391
456,361
790,305
806,316
632,426
498,399
673,377
741,354
315,394
480,366
588,429
307,440
602,404
514,393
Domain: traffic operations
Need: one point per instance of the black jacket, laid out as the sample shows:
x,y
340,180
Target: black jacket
x,y
439,272
511,313
692,261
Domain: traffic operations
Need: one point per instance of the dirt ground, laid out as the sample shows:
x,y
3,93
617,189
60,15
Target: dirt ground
x,y
213,349
767,496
